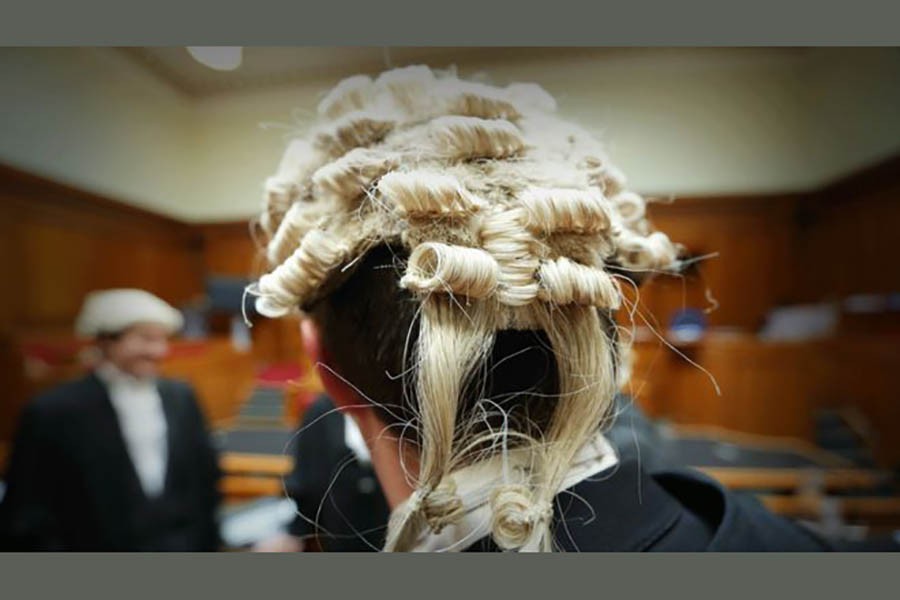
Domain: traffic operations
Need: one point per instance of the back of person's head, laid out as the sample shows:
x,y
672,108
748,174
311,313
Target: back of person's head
x,y
461,250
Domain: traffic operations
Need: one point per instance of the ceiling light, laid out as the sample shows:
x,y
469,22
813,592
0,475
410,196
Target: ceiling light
x,y
220,58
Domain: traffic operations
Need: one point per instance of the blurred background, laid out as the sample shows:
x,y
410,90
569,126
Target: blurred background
x,y
777,168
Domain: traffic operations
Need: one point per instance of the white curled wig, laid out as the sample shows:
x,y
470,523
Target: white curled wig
x,y
513,218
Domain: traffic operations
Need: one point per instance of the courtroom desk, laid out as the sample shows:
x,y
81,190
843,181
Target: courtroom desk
x,y
714,453
790,479
874,512
254,461
767,388
237,463
239,488
771,388
251,476
860,372
712,446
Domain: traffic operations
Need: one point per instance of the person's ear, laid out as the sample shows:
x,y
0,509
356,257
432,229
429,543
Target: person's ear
x,y
343,395
309,333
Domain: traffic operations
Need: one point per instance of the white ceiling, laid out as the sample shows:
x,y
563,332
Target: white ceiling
x,y
266,67
280,66
683,121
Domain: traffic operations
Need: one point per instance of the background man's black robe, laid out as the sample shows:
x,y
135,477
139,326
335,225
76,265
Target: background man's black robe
x,y
339,499
71,484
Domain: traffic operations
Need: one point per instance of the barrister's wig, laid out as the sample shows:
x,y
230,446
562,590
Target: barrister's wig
x,y
113,311
506,218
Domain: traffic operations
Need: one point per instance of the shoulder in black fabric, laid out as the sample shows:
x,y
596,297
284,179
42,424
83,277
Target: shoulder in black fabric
x,y
626,509
623,509
742,523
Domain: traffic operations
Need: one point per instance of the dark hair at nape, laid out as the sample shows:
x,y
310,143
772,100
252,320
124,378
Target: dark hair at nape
x,y
369,327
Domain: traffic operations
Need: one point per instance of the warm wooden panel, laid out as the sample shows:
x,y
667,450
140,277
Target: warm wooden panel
x,y
766,388
245,487
845,239
780,249
222,377
236,463
738,478
872,511
774,388
61,242
229,249
751,272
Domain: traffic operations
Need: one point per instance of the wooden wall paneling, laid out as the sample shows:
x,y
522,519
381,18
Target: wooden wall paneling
x,y
222,377
766,388
229,249
845,239
752,271
64,242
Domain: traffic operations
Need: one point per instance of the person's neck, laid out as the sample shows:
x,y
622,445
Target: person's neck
x,y
110,371
393,472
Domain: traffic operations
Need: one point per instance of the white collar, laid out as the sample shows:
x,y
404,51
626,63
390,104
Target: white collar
x,y
475,483
354,440
142,421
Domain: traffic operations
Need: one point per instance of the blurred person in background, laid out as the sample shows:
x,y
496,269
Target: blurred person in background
x,y
119,460
340,504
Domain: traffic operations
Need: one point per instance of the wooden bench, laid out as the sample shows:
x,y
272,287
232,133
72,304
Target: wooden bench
x,y
873,511
236,488
787,480
248,476
235,463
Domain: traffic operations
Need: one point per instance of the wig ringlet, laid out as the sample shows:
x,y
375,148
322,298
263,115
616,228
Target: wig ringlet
x,y
513,219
